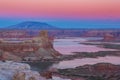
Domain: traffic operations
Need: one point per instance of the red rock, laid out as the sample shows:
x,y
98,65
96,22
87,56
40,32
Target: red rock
x,y
41,46
47,75
109,37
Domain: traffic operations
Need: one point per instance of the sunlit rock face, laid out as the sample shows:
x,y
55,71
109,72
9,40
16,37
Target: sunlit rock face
x,y
45,50
36,48
17,71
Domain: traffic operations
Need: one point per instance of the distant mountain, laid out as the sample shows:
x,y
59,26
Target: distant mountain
x,y
32,26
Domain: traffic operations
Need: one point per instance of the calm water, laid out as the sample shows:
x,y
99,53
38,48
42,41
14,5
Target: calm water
x,y
69,45
40,66
80,62
43,66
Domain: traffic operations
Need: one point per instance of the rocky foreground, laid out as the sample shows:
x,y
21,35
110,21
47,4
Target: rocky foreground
x,y
17,71
10,70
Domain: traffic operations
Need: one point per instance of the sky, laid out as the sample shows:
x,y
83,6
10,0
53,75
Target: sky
x,y
62,13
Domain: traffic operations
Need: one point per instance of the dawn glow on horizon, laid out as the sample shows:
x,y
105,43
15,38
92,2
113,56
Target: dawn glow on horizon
x,y
64,13
61,8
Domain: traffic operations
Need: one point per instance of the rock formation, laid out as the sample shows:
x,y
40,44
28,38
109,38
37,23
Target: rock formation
x,y
40,47
47,75
19,76
17,71
45,50
109,37
100,71
32,78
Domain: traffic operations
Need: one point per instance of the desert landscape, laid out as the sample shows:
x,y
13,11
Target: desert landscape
x,y
59,39
69,57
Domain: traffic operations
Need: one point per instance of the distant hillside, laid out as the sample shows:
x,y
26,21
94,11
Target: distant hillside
x,y
32,26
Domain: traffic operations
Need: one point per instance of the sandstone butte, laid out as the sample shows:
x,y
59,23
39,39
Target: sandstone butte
x,y
37,48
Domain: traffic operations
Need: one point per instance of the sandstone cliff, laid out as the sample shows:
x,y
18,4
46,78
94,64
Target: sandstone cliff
x,y
37,48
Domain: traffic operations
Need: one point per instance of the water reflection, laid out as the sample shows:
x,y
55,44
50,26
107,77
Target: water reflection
x,y
69,45
44,66
40,66
80,62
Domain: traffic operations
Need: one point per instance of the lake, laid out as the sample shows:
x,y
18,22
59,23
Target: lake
x,y
69,45
80,62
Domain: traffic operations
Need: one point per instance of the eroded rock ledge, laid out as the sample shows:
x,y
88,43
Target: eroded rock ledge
x,y
100,71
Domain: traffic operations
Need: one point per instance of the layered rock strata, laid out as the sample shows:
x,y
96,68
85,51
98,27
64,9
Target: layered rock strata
x,y
37,48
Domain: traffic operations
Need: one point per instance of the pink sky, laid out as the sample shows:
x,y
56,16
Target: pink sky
x,y
61,8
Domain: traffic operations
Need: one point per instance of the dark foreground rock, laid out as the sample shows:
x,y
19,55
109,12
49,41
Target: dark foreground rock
x,y
100,71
